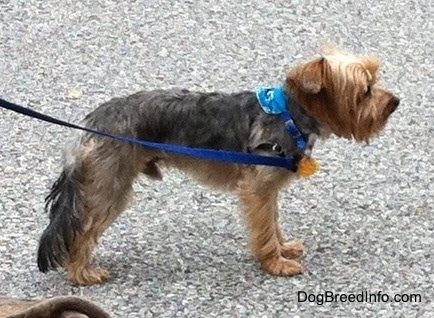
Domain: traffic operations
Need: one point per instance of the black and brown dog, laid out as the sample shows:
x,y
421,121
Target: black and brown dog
x,y
336,93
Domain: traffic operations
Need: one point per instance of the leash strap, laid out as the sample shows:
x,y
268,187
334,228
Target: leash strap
x,y
273,100
293,130
209,154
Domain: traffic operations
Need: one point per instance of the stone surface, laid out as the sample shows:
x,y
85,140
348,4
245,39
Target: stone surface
x,y
180,250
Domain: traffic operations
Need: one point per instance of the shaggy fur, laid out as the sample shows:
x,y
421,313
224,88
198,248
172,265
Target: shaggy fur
x,y
57,307
333,94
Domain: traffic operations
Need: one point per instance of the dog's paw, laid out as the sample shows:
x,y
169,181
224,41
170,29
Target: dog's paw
x,y
292,249
281,266
88,276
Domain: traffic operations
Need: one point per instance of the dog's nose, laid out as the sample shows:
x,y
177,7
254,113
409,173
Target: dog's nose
x,y
395,102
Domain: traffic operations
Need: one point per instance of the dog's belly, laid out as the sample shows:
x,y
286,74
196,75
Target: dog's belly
x,y
217,175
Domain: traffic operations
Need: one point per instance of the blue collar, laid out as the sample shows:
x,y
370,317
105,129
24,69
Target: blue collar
x,y
273,100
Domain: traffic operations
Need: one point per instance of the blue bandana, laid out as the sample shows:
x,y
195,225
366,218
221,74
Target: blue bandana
x,y
273,101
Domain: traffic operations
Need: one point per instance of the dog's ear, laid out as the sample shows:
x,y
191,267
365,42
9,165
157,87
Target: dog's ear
x,y
371,64
308,77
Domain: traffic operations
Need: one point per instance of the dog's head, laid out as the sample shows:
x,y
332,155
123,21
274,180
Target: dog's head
x,y
340,91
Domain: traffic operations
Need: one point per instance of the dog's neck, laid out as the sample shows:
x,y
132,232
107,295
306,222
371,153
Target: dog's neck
x,y
306,124
304,129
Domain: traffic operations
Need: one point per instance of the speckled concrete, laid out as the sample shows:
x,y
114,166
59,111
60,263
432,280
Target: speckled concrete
x,y
181,250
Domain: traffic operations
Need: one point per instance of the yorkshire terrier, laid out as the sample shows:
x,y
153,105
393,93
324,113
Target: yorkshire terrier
x,y
336,93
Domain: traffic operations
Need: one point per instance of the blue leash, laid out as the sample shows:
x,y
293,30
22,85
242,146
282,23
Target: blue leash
x,y
274,101
209,154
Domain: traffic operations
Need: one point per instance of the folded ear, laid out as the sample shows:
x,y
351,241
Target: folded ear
x,y
308,77
372,64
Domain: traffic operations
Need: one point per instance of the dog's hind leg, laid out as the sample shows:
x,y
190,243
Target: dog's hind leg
x,y
92,191
108,174
258,190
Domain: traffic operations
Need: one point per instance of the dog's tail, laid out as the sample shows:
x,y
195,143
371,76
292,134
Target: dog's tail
x,y
63,203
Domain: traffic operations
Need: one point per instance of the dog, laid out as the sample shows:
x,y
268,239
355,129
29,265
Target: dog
x,y
56,307
336,93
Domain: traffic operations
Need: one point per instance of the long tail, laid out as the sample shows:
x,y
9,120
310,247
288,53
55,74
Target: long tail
x,y
63,203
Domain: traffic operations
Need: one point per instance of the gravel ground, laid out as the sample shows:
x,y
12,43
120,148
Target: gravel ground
x,y
180,250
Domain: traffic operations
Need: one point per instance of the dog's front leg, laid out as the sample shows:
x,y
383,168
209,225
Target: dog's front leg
x,y
259,194
288,249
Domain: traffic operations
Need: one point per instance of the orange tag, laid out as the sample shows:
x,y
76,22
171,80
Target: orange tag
x,y
307,167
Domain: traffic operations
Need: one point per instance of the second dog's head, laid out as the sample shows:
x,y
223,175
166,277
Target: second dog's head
x,y
341,92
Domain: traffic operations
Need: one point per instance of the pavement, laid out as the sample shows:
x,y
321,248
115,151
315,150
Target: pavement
x,y
180,250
